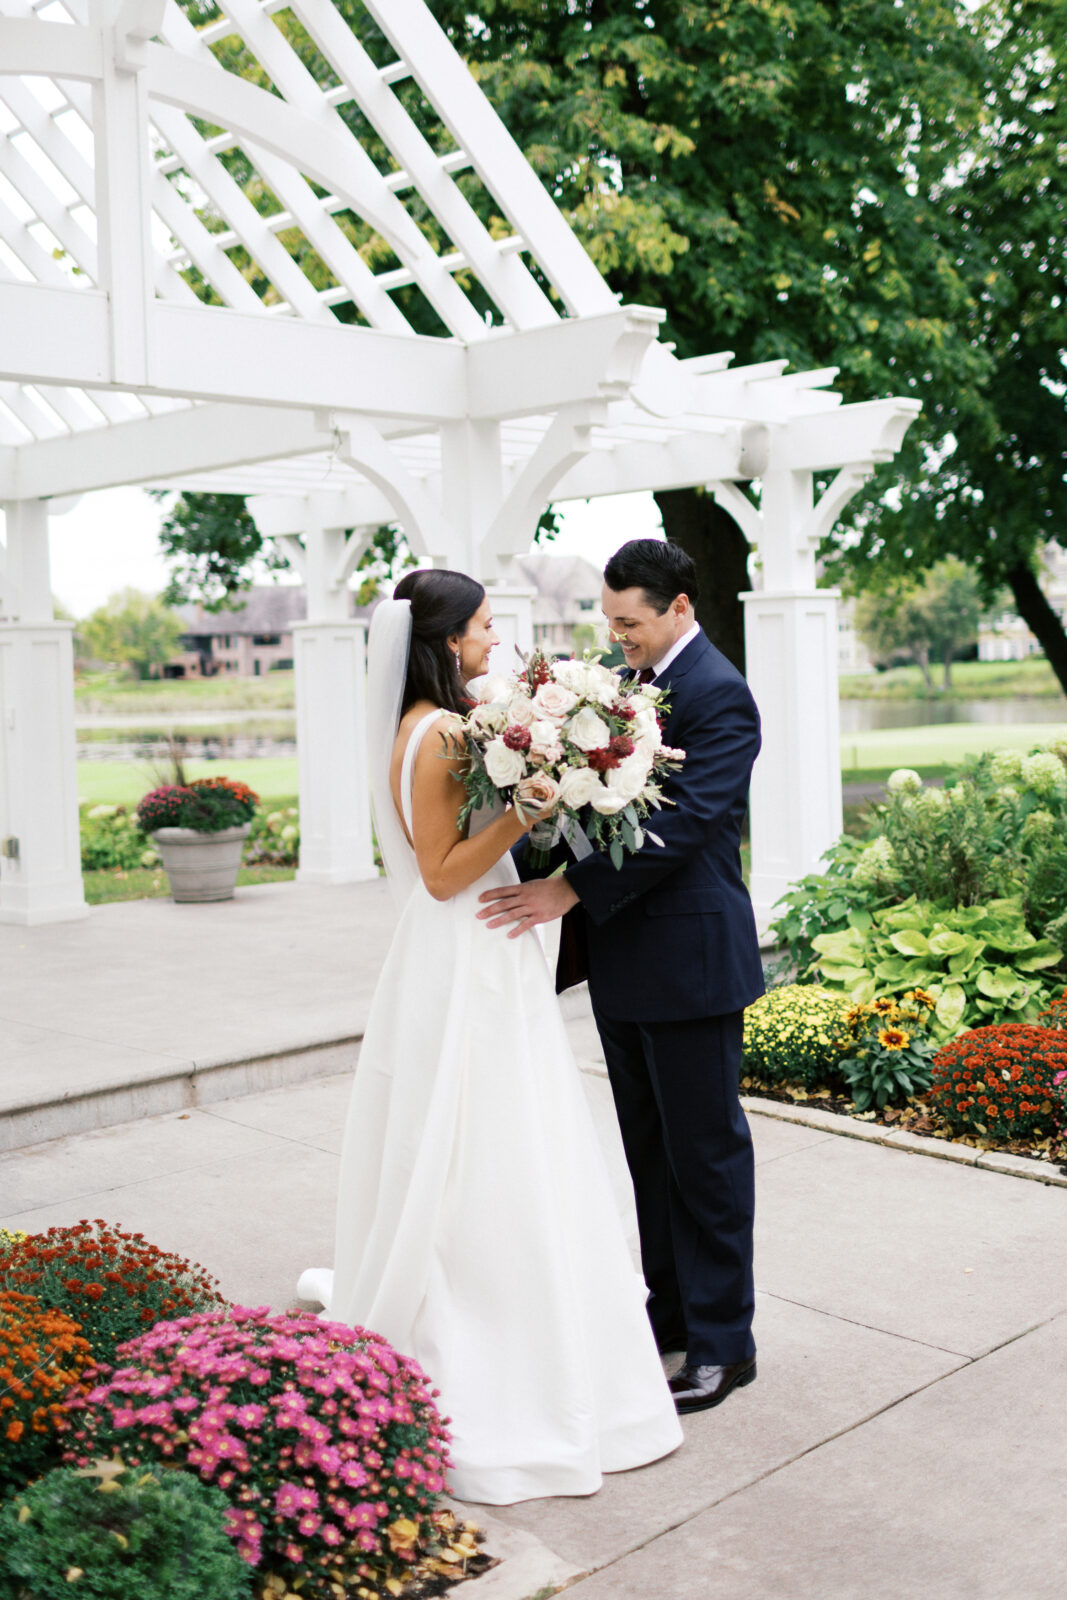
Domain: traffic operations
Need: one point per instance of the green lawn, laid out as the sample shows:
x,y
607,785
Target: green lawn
x,y
100,692
124,782
105,887
940,743
971,680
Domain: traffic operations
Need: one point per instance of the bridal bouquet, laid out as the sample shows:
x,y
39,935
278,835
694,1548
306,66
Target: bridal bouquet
x,y
572,738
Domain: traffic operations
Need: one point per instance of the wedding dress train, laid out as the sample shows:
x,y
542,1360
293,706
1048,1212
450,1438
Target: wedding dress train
x,y
476,1228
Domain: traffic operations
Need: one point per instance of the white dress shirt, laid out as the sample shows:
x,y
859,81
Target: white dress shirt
x,y
675,650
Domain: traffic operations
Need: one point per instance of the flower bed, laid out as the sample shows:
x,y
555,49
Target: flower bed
x,y
325,1441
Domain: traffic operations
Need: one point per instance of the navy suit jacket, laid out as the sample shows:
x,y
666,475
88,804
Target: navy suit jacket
x,y
671,934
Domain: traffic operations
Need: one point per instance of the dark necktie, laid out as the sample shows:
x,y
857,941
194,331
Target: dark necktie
x,y
645,675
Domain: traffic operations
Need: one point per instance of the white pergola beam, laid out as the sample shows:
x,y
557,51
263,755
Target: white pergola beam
x,y
197,439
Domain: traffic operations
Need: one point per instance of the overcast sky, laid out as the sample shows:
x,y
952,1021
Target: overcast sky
x,y
108,541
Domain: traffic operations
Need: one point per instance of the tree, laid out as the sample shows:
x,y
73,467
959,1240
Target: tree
x,y
766,170
936,616
132,629
769,173
991,485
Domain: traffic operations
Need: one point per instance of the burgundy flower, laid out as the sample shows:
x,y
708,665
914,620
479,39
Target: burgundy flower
x,y
622,746
604,760
517,737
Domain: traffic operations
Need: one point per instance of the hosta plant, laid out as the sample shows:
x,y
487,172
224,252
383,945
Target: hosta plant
x,y
1003,1083
325,1440
107,1531
796,1034
980,963
113,1283
889,1059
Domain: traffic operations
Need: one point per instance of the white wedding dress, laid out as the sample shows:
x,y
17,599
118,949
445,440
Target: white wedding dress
x,y
476,1227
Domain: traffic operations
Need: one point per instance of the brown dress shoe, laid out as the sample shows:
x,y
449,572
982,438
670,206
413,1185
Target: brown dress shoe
x,y
696,1388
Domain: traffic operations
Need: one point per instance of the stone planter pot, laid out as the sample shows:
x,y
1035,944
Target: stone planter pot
x,y
201,866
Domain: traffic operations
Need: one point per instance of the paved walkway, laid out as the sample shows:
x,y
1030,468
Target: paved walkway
x,y
905,1437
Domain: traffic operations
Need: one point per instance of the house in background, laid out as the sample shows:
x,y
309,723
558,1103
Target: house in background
x,y
247,642
1004,636
566,596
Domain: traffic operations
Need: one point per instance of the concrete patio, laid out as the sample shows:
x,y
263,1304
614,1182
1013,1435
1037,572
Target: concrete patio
x,y
905,1437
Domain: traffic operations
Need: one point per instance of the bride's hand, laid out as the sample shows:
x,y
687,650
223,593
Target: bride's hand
x,y
536,798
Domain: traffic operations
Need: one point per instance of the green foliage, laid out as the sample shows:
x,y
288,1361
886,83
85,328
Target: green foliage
x,y
826,902
115,1534
796,1034
132,629
980,963
275,837
213,546
991,486
889,1059
933,616
110,837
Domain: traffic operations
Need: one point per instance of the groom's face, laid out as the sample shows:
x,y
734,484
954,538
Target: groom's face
x,y
644,634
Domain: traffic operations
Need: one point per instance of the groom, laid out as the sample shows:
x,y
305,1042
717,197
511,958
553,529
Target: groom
x,y
673,961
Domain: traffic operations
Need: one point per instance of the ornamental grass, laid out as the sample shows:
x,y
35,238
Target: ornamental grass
x,y
1003,1083
42,1354
796,1034
325,1440
114,1284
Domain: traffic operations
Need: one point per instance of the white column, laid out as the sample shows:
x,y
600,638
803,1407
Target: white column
x,y
40,851
513,619
795,801
335,830
329,660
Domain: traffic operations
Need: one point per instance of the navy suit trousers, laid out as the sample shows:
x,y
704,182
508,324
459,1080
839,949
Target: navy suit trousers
x,y
689,1150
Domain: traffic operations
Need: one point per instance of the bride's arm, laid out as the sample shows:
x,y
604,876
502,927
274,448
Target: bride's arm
x,y
449,862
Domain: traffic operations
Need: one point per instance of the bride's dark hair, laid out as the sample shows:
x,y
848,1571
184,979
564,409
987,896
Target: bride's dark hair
x,y
442,603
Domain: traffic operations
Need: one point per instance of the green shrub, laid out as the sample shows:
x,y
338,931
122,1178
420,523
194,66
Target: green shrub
x,y
980,963
110,837
115,1534
275,837
826,902
796,1034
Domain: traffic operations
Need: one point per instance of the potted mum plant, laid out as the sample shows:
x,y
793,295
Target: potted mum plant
x,y
199,829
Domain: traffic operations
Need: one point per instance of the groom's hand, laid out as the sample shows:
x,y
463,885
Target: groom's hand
x,y
527,904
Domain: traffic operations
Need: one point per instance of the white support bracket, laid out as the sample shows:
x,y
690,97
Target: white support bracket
x,y
362,446
567,441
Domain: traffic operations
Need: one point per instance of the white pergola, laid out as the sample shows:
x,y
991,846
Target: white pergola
x,y
115,370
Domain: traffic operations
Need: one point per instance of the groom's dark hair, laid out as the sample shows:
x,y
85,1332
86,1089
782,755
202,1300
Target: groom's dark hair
x,y
661,569
442,603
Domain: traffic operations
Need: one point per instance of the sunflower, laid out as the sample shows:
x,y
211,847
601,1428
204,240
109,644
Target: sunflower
x,y
886,1006
893,1038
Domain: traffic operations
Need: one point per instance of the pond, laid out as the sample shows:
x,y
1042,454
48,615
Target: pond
x,y
863,716
201,738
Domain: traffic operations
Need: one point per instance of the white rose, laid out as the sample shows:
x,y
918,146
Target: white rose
x,y
521,710
573,675
643,697
554,701
603,685
503,765
629,777
588,731
648,741
577,786
492,718
491,687
608,802
543,732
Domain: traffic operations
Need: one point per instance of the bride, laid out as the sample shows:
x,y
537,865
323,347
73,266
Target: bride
x,y
476,1229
